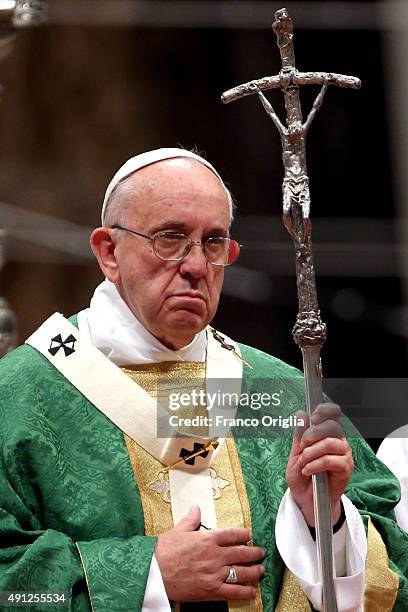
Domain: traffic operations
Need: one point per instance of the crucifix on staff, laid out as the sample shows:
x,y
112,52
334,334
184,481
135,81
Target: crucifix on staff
x,y
309,331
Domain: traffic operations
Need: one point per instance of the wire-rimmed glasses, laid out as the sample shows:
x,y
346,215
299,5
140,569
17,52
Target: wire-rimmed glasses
x,y
174,246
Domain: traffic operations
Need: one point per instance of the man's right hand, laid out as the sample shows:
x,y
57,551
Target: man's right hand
x,y
195,564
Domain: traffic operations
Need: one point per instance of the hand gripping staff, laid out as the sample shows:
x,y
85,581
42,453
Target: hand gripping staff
x,y
309,331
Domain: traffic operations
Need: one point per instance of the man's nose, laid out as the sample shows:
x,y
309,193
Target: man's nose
x,y
195,262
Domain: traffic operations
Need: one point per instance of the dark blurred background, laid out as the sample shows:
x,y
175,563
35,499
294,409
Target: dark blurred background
x,y
106,79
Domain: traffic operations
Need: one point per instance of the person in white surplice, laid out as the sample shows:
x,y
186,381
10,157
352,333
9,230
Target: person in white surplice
x,y
393,451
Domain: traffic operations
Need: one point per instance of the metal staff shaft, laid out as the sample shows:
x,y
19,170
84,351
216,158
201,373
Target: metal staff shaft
x,y
309,331
309,334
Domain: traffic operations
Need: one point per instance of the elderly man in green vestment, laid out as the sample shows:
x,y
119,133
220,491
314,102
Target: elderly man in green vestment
x,y
94,506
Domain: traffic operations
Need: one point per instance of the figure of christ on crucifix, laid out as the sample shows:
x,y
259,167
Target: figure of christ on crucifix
x,y
295,182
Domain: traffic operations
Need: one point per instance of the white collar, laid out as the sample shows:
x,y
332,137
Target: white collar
x,y
113,329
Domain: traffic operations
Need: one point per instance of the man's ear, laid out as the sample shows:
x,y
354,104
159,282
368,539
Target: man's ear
x,y
103,248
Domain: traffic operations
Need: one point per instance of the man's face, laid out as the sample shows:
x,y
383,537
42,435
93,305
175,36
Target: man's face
x,y
173,299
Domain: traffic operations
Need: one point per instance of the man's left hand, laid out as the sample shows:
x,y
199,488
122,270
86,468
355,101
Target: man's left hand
x,y
319,446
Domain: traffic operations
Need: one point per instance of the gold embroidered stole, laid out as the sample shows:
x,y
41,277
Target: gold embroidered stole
x,y
229,491
381,583
381,588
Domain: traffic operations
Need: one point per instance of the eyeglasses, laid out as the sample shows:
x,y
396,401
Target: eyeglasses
x,y
173,246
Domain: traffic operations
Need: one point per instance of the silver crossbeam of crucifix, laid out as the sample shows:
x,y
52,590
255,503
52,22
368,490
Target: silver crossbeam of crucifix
x,y
309,331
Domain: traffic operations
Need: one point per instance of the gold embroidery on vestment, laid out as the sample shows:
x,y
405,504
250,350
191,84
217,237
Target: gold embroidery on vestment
x,y
232,506
161,484
292,598
381,582
169,377
239,503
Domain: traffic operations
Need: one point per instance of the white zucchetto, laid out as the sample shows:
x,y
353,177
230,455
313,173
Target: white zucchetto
x,y
150,157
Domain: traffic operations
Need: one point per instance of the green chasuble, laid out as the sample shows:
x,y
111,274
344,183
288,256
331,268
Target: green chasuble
x,y
71,516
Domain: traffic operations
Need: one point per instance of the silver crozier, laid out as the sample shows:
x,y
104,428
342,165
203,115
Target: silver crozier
x,y
309,331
